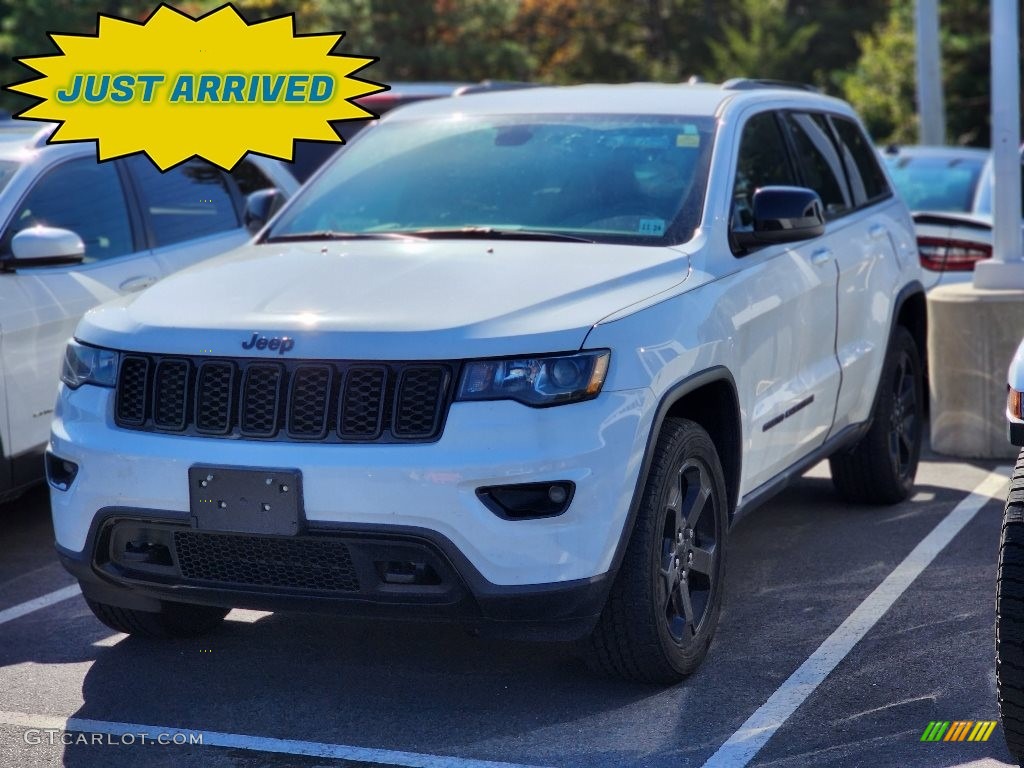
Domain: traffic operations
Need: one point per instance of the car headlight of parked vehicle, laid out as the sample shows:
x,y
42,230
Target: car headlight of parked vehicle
x,y
536,381
89,365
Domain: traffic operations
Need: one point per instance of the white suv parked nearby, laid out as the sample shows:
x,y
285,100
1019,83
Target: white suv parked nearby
x,y
517,361
75,233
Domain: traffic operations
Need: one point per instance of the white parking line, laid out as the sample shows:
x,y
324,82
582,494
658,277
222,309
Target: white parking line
x,y
240,741
10,614
741,747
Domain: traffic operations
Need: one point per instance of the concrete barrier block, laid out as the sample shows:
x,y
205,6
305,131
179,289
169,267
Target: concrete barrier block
x,y
972,336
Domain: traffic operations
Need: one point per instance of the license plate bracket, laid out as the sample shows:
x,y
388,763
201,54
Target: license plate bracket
x,y
244,500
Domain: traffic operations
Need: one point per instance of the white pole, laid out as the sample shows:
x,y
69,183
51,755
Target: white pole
x,y
1006,267
931,114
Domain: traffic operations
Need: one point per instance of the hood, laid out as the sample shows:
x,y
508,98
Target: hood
x,y
389,299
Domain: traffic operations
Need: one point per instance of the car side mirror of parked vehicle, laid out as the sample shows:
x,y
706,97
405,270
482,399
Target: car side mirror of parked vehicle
x,y
46,247
260,206
783,215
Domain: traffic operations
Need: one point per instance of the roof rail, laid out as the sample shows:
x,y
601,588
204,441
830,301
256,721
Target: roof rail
x,y
494,85
751,84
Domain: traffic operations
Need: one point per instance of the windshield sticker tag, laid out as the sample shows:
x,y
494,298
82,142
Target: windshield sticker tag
x,y
689,137
652,227
174,87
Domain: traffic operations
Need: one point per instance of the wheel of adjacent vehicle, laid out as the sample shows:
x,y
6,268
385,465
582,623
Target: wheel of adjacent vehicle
x,y
1010,616
880,468
663,608
172,620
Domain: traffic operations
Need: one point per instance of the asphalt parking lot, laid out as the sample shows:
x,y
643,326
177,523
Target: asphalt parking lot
x,y
798,568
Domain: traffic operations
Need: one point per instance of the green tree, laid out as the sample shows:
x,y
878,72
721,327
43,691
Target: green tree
x,y
881,86
572,41
760,40
25,23
434,39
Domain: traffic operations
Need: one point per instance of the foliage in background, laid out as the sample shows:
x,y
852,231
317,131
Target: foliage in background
x,y
862,51
761,38
883,81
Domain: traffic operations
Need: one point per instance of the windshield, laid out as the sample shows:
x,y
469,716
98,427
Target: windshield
x,y
604,178
936,183
986,188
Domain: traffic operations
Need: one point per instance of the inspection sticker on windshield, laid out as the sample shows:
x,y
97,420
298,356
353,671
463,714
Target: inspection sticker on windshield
x,y
689,137
652,227
215,86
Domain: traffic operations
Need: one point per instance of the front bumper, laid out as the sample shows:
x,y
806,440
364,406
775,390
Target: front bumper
x,y
455,592
1015,432
426,489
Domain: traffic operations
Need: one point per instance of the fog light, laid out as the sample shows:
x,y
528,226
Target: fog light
x,y
60,473
526,501
146,552
407,572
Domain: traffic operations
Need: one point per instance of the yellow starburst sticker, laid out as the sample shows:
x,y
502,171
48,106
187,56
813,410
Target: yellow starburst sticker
x,y
215,86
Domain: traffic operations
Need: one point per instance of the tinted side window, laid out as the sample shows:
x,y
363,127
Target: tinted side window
x,y
249,178
763,161
85,197
819,162
189,201
864,157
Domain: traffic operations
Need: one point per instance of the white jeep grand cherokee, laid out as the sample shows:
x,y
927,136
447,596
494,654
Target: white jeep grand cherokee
x,y
517,360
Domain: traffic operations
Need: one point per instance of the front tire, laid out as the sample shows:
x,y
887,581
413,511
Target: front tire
x,y
1010,616
664,604
880,469
172,620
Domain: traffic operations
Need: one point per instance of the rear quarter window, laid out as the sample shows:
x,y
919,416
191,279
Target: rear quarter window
x,y
865,160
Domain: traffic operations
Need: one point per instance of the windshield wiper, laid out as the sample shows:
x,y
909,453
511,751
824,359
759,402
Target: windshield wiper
x,y
493,233
311,237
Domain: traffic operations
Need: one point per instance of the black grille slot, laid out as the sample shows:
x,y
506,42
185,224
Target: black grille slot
x,y
132,383
320,565
418,402
170,394
272,399
309,401
214,393
260,400
362,403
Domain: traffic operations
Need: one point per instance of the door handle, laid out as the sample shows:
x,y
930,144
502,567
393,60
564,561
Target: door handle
x,y
877,231
138,283
821,256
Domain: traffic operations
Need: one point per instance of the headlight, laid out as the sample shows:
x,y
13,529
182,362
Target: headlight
x,y
536,381
88,365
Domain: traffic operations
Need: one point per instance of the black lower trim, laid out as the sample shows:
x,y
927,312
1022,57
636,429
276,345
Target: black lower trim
x,y
846,438
670,398
1016,433
556,611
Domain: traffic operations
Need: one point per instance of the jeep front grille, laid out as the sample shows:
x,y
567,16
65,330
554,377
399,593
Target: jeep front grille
x,y
283,400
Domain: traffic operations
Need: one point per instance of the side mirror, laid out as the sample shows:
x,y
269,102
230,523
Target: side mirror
x,y
46,247
260,206
783,215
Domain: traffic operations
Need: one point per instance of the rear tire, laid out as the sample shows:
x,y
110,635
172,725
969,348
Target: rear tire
x,y
172,620
1010,616
881,467
663,607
